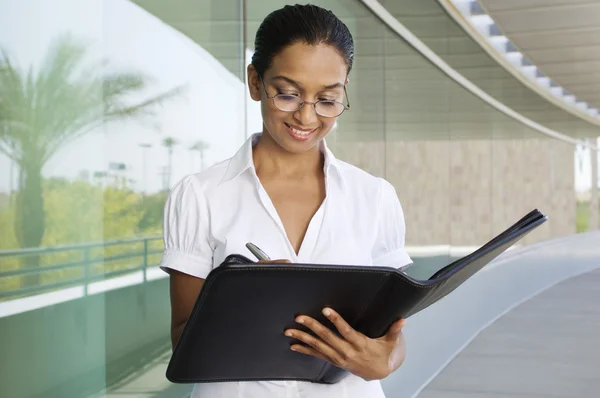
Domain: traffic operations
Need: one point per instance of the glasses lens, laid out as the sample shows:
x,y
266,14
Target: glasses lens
x,y
329,108
288,103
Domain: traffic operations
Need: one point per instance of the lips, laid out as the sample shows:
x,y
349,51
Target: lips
x,y
300,134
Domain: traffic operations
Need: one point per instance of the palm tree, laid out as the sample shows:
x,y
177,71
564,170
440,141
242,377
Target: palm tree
x,y
169,143
200,146
42,110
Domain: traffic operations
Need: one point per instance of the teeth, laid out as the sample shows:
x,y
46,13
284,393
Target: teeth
x,y
300,132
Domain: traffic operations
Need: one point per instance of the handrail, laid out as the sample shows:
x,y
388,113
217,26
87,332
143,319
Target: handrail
x,y
391,22
458,17
134,260
47,249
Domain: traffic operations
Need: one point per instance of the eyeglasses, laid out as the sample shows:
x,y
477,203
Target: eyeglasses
x,y
293,103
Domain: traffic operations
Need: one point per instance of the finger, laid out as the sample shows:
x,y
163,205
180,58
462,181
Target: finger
x,y
282,261
310,351
396,329
348,332
315,344
326,334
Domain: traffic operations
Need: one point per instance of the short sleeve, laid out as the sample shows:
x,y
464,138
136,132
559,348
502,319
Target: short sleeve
x,y
186,226
389,249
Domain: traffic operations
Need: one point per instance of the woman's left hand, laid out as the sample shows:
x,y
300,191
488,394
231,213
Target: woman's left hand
x,y
371,359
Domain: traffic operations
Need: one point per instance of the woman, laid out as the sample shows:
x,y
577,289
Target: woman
x,y
286,192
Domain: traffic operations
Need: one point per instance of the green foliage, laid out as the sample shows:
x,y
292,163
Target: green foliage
x,y
583,216
42,110
8,241
152,208
78,212
7,234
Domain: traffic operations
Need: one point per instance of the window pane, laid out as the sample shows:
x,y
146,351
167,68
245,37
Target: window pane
x,y
113,103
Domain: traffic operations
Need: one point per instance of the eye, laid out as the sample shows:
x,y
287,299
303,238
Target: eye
x,y
327,103
287,93
287,97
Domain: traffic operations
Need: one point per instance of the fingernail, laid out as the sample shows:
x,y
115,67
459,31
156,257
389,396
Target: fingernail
x,y
326,312
300,320
289,334
292,348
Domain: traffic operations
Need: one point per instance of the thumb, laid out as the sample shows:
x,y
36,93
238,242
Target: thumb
x,y
396,328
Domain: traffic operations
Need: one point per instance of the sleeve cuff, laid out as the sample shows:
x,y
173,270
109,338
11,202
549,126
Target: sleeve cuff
x,y
198,266
397,258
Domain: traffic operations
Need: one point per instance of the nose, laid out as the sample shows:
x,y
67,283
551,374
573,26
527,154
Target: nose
x,y
306,115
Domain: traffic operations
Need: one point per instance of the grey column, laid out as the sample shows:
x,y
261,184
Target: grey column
x,y
226,35
594,191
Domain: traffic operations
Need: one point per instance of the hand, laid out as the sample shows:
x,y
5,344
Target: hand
x,y
371,359
274,262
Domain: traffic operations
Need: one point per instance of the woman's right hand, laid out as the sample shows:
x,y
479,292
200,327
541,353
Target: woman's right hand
x,y
274,261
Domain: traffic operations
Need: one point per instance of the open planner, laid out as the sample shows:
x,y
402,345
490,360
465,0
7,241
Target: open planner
x,y
235,331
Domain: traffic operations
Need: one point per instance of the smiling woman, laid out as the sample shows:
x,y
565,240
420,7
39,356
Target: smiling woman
x,y
285,191
307,62
292,81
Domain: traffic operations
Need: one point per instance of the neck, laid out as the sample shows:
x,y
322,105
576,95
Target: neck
x,y
272,160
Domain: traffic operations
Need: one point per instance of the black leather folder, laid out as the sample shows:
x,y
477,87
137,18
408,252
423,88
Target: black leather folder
x,y
235,331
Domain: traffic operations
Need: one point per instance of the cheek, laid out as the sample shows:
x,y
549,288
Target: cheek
x,y
269,113
328,124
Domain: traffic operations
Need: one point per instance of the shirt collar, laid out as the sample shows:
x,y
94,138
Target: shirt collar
x,y
242,160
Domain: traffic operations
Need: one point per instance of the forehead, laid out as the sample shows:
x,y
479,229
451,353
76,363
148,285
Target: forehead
x,y
310,65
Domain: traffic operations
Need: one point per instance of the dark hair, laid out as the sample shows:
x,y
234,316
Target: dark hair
x,y
308,24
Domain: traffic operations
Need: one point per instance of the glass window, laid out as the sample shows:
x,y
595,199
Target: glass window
x,y
102,110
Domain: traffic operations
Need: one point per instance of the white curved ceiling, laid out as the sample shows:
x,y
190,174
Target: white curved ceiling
x,y
560,37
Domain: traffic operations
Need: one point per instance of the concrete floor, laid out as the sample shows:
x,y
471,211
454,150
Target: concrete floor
x,y
549,346
149,382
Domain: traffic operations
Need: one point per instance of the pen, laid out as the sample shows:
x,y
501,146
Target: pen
x,y
257,252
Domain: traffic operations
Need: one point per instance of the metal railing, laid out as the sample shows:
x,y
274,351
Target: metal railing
x,y
70,265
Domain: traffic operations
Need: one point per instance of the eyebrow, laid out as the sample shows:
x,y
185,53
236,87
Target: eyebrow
x,y
295,83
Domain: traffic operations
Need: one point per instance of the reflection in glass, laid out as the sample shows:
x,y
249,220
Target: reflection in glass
x,y
94,124
44,110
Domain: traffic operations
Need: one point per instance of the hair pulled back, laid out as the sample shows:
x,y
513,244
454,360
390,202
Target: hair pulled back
x,y
307,24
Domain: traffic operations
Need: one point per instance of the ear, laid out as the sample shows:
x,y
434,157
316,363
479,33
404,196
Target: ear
x,y
254,84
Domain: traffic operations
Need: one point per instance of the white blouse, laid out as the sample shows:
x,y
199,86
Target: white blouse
x,y
214,213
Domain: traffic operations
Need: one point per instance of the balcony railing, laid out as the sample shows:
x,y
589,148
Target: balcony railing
x,y
81,264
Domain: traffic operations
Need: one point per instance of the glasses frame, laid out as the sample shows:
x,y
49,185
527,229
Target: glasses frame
x,y
314,104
